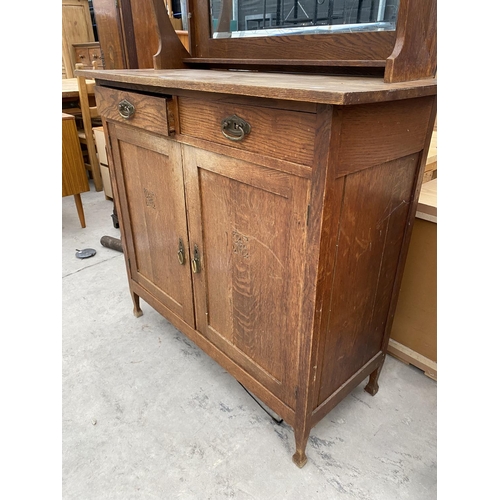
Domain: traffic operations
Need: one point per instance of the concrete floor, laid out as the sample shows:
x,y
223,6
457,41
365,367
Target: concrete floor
x,y
148,415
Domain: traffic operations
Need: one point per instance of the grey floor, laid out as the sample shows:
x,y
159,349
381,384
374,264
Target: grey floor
x,y
148,415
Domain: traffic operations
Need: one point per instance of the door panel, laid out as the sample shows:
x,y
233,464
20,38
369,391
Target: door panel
x,y
249,225
149,172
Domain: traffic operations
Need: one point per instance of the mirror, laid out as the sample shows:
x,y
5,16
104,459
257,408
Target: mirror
x,y
257,18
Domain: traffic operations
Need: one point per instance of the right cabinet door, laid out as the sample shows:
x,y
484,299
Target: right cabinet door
x,y
247,227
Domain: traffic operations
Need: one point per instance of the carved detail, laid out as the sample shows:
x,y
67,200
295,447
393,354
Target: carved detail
x,y
150,198
240,244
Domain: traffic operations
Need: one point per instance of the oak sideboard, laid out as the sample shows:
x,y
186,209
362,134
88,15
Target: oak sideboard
x,y
278,254
266,209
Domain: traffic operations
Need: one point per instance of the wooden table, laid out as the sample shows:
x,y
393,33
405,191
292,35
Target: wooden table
x,y
70,88
70,96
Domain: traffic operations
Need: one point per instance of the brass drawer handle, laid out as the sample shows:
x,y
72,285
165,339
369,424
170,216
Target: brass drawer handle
x,y
235,128
126,109
195,263
180,253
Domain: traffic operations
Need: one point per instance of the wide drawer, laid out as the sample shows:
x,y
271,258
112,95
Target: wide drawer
x,y
147,112
278,133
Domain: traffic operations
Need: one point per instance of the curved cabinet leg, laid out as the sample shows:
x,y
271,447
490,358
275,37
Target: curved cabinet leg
x,y
372,386
137,307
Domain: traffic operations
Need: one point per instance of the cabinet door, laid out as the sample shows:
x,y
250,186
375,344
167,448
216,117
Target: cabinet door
x,y
248,226
148,171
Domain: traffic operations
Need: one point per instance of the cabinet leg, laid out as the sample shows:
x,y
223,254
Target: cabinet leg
x,y
79,209
137,307
372,386
299,458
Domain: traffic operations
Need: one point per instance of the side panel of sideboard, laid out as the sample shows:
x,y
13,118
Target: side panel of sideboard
x,y
377,167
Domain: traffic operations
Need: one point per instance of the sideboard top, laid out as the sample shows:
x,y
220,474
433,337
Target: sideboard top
x,y
341,90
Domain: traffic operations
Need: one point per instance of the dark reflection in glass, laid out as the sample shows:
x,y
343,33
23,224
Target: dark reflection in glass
x,y
243,18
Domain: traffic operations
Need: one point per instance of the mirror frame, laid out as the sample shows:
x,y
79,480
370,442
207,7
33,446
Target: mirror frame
x,y
408,53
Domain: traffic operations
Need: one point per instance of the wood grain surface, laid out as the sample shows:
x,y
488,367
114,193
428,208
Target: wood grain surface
x,y
149,176
150,112
310,88
249,223
301,230
287,135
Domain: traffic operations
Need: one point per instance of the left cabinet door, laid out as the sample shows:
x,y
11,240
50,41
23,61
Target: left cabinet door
x,y
148,172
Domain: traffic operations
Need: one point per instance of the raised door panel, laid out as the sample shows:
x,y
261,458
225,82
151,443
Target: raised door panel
x,y
249,226
148,172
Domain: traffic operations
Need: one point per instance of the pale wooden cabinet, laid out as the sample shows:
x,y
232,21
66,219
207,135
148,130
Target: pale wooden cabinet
x,y
76,28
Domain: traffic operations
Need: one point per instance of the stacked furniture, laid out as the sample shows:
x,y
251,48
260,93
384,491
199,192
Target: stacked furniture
x,y
76,29
87,54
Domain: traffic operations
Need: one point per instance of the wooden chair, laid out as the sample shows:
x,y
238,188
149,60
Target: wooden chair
x,y
86,136
74,177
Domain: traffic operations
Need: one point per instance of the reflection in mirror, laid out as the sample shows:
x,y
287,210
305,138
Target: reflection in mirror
x,y
243,18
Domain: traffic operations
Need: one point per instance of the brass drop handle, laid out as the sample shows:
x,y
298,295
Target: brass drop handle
x,y
126,109
181,254
235,128
195,263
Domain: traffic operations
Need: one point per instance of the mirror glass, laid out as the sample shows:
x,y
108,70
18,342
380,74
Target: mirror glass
x,y
252,18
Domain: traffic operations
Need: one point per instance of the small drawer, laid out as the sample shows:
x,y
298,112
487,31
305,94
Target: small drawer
x,y
82,56
277,133
146,112
95,55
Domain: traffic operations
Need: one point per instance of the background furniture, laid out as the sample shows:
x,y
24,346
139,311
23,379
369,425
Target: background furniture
x,y
431,165
89,112
102,156
70,97
88,53
414,331
76,28
126,34
266,216
74,177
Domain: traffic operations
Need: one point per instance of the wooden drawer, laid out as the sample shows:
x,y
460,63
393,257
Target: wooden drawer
x,y
149,112
82,56
88,52
95,55
278,133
